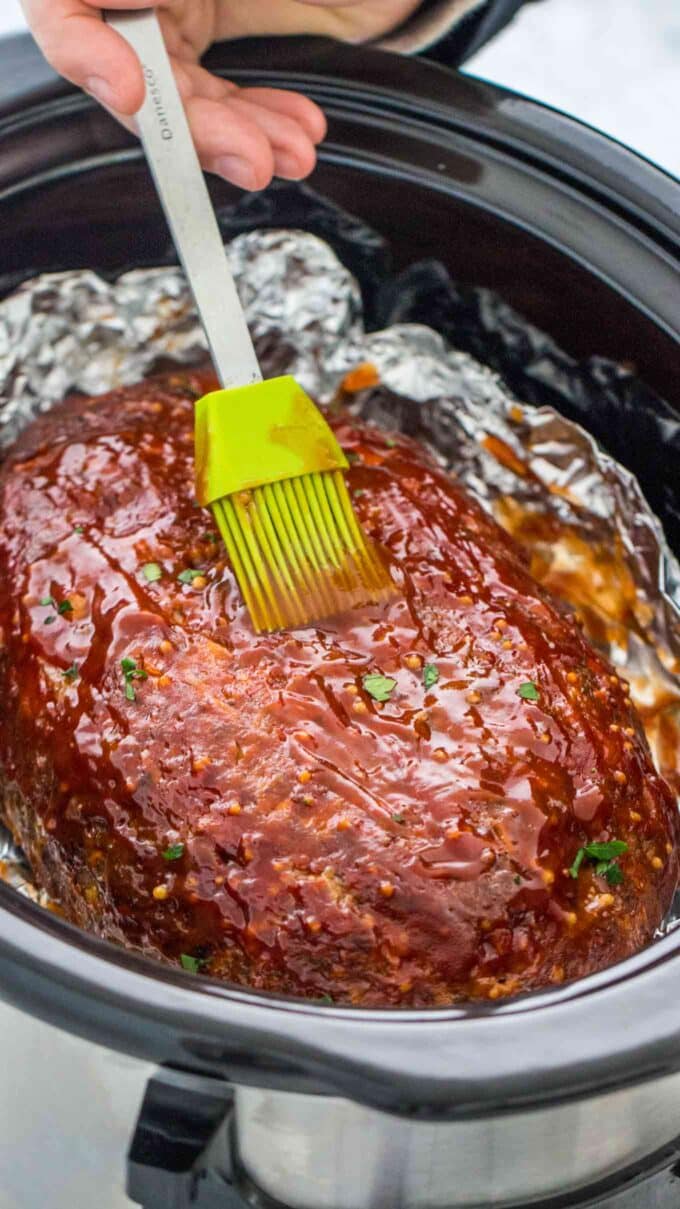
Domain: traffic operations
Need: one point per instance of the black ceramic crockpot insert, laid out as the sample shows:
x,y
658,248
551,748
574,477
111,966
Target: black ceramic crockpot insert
x,y
496,221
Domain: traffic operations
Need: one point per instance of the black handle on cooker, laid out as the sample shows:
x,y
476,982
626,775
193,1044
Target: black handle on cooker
x,y
183,1152
180,1154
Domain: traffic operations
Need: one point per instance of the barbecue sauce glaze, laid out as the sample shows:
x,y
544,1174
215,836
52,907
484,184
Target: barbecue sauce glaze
x,y
243,805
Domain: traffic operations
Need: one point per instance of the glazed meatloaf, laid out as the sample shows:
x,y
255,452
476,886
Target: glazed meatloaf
x,y
444,797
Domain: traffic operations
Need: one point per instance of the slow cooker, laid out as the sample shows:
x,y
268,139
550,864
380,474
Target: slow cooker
x,y
129,1083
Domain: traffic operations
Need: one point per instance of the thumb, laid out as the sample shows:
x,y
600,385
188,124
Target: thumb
x,y
79,45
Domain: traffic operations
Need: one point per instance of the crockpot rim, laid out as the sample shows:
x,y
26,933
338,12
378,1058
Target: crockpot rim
x,y
490,1053
594,1035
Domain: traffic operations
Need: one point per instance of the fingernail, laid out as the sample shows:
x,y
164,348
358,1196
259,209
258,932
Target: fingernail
x,y
236,170
288,166
101,90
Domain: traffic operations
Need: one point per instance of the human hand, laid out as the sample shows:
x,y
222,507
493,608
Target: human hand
x,y
246,135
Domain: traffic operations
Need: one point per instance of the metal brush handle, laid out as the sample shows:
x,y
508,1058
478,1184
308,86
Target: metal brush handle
x,y
171,155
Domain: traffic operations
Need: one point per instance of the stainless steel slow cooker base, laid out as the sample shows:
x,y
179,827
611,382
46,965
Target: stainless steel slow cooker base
x,y
315,1152
68,1110
67,1113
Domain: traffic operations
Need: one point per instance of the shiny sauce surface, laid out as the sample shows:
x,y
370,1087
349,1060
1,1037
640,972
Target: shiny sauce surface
x,y
245,805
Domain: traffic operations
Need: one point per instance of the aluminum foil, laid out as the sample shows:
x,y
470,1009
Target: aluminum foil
x,y
591,535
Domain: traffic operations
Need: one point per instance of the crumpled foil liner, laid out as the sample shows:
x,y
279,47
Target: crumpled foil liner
x,y
583,518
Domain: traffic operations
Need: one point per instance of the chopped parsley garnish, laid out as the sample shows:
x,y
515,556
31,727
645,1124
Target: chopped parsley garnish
x,y
152,572
604,855
430,675
517,880
173,852
50,602
605,852
72,672
188,576
528,691
78,529
351,456
327,1000
578,861
398,818
379,687
131,672
209,536
612,871
191,964
390,442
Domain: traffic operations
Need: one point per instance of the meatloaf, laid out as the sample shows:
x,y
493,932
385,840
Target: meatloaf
x,y
440,798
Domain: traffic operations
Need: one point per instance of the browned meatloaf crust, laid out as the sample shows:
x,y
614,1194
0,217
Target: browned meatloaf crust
x,y
244,804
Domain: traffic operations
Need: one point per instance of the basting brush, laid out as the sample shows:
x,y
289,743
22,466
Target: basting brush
x,y
267,462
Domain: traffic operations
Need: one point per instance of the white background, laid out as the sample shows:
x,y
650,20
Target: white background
x,y
613,63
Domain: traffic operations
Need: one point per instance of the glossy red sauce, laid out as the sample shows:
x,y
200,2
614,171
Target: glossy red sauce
x,y
415,851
